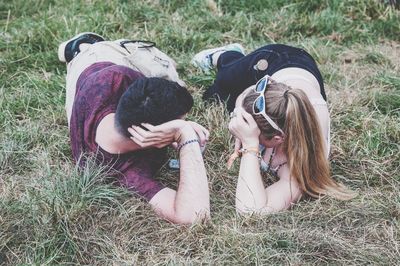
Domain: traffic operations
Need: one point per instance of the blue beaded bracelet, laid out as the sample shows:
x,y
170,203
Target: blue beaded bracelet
x,y
187,142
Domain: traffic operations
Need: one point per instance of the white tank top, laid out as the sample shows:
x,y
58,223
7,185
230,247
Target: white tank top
x,y
302,79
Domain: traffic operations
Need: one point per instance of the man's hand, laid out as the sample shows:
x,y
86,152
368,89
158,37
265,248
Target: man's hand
x,y
166,133
157,136
202,133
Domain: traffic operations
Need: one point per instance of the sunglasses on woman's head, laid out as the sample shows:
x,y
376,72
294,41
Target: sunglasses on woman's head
x,y
259,103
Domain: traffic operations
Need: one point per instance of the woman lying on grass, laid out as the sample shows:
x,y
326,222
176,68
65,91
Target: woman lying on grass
x,y
280,120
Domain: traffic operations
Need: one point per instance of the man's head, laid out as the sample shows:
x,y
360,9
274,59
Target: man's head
x,y
151,100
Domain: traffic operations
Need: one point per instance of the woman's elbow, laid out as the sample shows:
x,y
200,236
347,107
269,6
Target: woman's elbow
x,y
246,211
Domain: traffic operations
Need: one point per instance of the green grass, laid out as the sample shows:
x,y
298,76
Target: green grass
x,y
51,213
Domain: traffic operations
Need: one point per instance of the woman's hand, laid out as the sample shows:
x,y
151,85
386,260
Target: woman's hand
x,y
244,127
235,154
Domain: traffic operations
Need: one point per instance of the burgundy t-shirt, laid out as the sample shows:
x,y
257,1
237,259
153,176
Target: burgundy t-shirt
x,y
99,89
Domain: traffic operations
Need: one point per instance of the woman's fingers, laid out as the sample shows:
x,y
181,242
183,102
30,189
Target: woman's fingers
x,y
238,144
243,126
240,118
249,118
234,127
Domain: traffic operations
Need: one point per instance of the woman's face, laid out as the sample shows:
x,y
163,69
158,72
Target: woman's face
x,y
272,142
268,143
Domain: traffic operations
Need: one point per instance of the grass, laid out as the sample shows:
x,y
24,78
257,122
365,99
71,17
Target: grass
x,y
51,213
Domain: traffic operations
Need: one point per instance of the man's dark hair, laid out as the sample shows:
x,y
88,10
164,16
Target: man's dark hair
x,y
151,100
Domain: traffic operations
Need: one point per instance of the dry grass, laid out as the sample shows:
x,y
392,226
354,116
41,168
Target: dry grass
x,y
51,213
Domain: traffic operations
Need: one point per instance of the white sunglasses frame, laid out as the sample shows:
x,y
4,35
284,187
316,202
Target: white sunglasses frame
x,y
262,112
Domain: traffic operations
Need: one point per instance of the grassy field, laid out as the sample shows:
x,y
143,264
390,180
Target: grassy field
x,y
51,213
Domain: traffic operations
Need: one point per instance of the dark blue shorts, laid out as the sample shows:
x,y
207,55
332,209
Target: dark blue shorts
x,y
237,72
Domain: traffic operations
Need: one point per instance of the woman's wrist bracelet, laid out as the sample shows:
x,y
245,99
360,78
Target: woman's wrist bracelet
x,y
254,151
186,143
238,153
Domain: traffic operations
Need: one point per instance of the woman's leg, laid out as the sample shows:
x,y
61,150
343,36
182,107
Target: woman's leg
x,y
237,72
224,60
290,56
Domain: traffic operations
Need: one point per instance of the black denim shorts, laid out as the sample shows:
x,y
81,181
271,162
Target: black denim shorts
x,y
280,56
237,72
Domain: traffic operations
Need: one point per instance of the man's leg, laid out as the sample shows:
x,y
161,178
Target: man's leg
x,y
105,51
148,62
69,49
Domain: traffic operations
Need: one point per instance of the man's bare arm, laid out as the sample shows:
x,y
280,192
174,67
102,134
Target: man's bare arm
x,y
191,201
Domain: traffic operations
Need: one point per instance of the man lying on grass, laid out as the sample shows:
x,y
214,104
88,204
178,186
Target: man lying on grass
x,y
127,120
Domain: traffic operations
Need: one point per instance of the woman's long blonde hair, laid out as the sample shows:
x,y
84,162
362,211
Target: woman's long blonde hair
x,y
303,143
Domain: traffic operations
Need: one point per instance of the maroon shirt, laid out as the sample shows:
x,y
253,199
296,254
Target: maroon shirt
x,y
99,89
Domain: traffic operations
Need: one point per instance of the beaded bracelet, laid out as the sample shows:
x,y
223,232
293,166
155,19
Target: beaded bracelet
x,y
187,142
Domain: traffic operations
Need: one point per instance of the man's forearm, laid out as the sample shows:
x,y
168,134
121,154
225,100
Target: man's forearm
x,y
192,199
